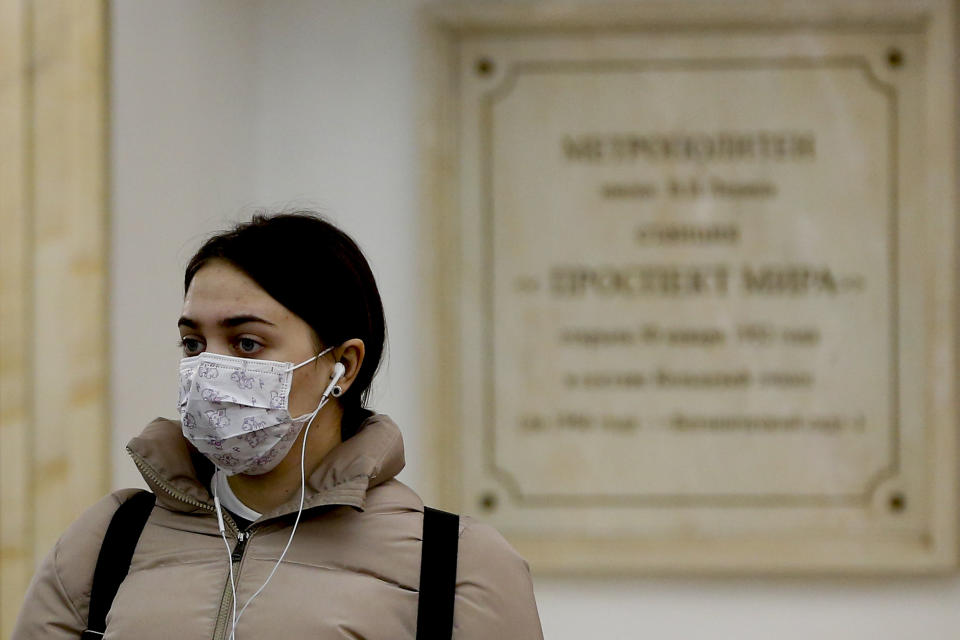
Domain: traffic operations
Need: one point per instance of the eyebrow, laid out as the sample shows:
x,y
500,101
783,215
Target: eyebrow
x,y
232,321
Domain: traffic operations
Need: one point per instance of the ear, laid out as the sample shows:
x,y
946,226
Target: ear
x,y
350,354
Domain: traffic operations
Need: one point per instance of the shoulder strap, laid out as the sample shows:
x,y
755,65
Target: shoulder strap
x,y
438,574
116,551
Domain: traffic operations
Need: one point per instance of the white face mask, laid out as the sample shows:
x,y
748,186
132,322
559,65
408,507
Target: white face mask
x,y
235,410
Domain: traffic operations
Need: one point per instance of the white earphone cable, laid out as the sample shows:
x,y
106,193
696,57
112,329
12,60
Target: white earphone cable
x,y
303,483
338,372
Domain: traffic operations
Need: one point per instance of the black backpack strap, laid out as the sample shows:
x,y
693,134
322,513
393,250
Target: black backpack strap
x,y
116,551
438,574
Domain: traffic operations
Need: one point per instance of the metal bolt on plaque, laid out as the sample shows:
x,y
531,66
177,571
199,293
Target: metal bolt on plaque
x,y
485,67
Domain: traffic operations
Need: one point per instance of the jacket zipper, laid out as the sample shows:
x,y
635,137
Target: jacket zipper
x,y
237,554
224,616
226,597
148,471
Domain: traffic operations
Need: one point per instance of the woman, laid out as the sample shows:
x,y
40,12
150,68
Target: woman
x,y
277,512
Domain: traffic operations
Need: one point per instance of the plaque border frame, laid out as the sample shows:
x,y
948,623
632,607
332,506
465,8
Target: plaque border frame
x,y
442,26
506,479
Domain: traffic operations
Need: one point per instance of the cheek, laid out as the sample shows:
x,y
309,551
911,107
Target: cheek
x,y
305,391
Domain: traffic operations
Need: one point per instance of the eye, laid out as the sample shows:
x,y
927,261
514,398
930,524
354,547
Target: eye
x,y
191,346
247,346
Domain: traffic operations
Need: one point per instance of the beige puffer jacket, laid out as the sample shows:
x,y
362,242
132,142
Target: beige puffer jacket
x,y
352,571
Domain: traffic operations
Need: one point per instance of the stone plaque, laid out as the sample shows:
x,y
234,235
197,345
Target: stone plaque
x,y
697,311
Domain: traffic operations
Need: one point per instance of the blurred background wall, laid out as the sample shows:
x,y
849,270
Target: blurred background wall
x,y
223,106
54,218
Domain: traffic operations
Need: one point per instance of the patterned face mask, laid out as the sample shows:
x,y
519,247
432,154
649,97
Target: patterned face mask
x,y
235,410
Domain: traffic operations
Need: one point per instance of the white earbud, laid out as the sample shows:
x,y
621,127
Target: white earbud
x,y
332,388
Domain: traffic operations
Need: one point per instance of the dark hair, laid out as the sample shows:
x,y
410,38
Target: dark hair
x,y
317,272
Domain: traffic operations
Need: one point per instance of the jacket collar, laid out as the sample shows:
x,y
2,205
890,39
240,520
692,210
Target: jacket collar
x,y
180,476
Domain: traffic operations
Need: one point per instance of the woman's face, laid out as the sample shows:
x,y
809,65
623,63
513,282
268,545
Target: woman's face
x,y
227,313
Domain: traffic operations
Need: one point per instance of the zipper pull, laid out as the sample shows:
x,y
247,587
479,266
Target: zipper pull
x,y
237,554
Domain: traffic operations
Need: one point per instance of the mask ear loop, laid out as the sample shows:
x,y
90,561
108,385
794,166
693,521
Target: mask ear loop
x,y
338,371
309,360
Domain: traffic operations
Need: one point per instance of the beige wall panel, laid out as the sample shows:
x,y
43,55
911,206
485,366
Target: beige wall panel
x,y
439,266
16,551
69,263
54,262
